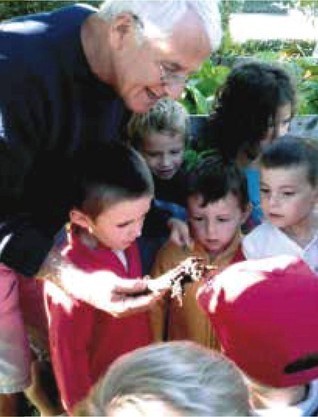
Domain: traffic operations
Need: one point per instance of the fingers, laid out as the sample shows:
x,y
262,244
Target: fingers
x,y
126,305
130,286
180,234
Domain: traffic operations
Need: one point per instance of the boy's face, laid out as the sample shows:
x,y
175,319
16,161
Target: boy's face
x,y
215,225
118,226
287,197
279,125
163,153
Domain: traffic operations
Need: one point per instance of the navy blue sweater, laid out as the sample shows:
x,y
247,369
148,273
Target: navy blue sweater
x,y
50,104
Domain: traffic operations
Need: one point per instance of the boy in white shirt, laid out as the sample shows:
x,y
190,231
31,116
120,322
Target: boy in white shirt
x,y
289,177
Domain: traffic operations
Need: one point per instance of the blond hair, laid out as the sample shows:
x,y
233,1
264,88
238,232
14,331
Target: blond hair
x,y
167,116
183,375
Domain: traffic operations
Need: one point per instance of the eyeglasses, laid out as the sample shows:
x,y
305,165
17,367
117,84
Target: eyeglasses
x,y
170,78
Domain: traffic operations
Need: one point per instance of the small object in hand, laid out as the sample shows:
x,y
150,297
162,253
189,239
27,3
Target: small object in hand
x,y
190,270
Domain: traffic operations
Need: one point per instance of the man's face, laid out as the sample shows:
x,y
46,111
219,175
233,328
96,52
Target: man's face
x,y
153,67
163,153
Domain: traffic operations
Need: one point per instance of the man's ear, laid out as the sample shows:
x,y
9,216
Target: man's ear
x,y
81,219
122,27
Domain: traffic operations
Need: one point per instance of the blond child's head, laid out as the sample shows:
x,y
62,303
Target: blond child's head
x,y
160,136
173,378
217,203
289,179
114,192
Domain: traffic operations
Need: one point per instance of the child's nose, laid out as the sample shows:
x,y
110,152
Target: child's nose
x,y
273,200
211,230
165,160
138,229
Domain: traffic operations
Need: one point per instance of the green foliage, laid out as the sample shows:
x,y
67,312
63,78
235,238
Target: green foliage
x,y
200,91
193,157
266,6
292,47
305,71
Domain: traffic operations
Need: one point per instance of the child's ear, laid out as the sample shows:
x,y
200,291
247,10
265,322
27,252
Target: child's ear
x,y
79,218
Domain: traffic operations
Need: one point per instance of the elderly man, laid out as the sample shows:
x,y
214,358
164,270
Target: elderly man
x,y
68,77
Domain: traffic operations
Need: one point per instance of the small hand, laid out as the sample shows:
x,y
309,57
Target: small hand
x,y
180,234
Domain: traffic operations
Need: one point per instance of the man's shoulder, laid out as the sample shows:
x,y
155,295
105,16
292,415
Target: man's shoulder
x,y
38,23
27,39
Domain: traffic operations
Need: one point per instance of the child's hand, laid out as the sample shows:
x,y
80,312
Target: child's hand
x,y
192,269
180,234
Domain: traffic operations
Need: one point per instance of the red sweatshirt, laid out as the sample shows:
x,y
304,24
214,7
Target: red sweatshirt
x,y
84,341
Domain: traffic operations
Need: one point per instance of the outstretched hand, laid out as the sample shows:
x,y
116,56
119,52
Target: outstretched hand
x,y
190,270
131,296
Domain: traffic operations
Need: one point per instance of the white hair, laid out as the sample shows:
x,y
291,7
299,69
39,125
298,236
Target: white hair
x,y
164,14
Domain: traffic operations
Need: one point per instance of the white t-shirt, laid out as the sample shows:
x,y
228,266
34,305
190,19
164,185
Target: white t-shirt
x,y
121,256
267,240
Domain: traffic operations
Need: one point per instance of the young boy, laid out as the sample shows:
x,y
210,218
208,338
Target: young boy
x,y
160,136
217,204
114,191
114,194
289,190
265,315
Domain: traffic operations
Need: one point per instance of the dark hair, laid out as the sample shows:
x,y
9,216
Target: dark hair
x,y
107,173
214,179
246,104
292,151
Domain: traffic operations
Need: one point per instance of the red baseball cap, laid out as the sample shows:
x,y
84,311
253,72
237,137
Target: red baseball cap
x,y
265,315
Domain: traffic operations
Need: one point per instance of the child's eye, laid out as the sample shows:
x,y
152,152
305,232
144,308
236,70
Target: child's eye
x,y
288,193
123,225
152,154
264,190
197,218
223,219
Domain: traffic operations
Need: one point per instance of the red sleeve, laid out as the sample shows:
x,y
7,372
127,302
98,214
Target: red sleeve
x,y
70,330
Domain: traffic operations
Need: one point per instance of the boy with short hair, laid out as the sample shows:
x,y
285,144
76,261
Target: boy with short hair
x,y
160,135
217,204
289,195
114,191
265,315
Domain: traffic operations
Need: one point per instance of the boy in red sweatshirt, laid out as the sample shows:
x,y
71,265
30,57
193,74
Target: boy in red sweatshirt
x,y
115,189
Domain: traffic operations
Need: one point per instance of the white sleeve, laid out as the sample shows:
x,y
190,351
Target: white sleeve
x,y
251,246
